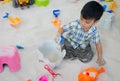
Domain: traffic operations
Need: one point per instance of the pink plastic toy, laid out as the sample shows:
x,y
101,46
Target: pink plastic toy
x,y
51,72
9,55
43,78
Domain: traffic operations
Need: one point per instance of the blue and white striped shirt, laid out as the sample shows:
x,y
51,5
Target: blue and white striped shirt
x,y
77,37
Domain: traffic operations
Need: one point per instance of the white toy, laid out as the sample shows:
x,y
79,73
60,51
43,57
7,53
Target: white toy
x,y
50,53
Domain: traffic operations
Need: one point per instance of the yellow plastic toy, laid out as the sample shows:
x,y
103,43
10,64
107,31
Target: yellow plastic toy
x,y
5,1
90,74
13,21
22,3
108,0
113,5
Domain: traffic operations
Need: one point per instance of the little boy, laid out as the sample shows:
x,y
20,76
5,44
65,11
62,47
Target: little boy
x,y
81,32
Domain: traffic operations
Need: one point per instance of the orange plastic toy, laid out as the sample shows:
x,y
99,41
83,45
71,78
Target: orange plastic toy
x,y
29,80
13,21
56,23
90,74
113,5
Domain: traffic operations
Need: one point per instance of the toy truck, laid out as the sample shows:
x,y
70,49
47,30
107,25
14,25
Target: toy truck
x,y
22,3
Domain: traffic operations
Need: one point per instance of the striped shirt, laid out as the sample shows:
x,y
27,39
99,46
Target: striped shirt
x,y
77,37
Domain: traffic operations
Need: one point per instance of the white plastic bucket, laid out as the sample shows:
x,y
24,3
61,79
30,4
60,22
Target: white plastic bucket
x,y
106,20
50,53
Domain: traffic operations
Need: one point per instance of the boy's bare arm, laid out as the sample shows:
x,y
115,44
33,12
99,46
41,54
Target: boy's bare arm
x,y
100,59
60,32
99,49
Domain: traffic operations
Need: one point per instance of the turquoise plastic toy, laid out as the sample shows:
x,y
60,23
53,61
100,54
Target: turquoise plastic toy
x,y
41,2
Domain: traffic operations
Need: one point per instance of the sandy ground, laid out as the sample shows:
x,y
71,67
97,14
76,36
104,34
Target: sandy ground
x,y
36,26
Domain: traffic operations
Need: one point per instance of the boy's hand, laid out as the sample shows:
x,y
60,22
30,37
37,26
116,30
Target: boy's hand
x,y
101,61
57,39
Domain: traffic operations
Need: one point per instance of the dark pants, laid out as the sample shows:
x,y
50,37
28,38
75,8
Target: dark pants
x,y
84,55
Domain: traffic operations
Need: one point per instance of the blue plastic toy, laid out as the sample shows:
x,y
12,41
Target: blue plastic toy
x,y
110,11
104,6
56,13
62,41
19,47
6,15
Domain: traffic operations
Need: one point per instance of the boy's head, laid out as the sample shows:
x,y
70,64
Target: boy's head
x,y
90,14
92,10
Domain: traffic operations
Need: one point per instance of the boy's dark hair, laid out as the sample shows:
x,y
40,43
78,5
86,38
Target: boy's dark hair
x,y
92,10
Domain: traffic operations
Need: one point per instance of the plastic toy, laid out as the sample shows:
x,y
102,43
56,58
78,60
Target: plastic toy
x,y
56,13
41,2
9,55
50,53
104,6
22,3
110,11
108,0
90,74
51,72
113,5
56,22
43,78
12,20
4,1
19,47
29,80
62,40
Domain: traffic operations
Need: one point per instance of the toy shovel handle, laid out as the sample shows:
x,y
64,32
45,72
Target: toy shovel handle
x,y
49,70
